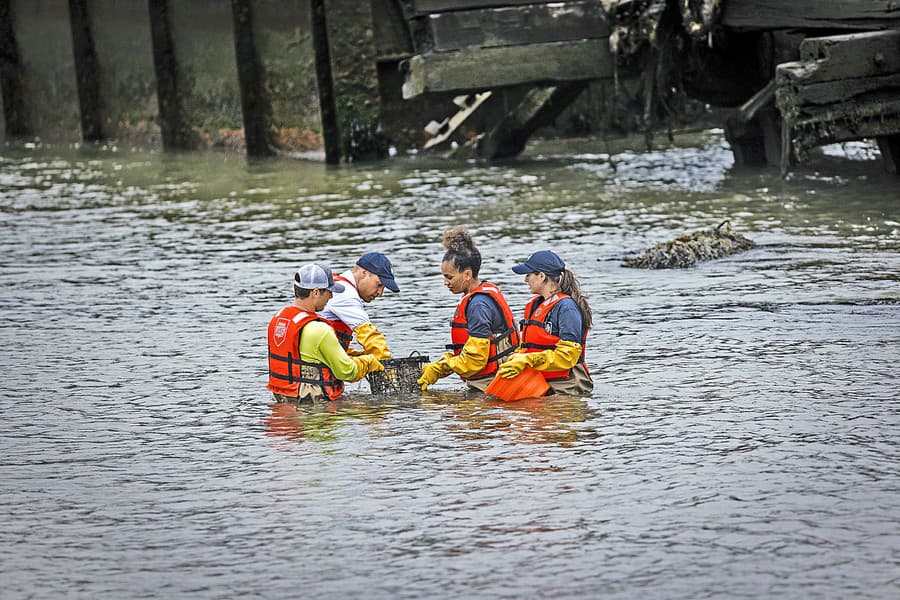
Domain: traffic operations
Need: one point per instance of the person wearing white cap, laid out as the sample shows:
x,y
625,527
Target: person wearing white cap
x,y
306,360
346,311
555,328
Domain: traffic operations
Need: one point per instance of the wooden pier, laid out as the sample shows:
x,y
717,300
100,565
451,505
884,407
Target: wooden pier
x,y
354,77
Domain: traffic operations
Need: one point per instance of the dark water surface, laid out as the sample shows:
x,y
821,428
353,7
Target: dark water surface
x,y
741,442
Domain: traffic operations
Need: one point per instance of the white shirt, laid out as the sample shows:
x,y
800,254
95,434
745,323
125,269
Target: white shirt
x,y
346,306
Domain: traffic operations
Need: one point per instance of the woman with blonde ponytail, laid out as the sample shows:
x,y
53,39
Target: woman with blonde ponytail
x,y
555,328
483,329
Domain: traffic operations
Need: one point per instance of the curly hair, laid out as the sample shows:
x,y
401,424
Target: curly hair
x,y
461,250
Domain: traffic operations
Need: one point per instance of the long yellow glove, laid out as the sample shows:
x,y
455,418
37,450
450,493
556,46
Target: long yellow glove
x,y
472,358
561,357
433,371
365,363
372,340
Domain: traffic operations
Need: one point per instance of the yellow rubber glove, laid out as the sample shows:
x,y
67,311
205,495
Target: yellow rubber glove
x,y
433,371
365,363
372,340
561,357
472,358
515,364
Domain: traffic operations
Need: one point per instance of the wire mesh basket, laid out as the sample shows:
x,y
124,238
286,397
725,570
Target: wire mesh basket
x,y
399,375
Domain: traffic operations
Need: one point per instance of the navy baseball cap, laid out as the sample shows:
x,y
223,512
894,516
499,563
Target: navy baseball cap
x,y
378,263
542,261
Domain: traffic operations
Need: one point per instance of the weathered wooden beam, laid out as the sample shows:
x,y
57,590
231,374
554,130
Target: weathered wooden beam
x,y
865,106
255,108
472,69
507,26
538,108
889,145
811,14
14,115
87,73
831,58
327,108
424,7
831,92
817,133
175,133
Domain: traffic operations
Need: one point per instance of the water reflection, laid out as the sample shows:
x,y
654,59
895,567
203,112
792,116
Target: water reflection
x,y
557,419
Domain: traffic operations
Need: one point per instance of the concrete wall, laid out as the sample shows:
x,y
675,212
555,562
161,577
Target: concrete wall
x,y
128,103
44,38
284,45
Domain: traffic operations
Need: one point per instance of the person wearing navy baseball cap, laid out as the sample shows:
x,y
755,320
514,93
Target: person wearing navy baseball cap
x,y
554,331
306,360
346,312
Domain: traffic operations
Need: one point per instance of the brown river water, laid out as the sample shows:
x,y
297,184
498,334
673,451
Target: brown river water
x,y
741,441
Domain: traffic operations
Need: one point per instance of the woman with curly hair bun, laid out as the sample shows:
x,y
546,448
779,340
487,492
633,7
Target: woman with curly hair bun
x,y
483,329
555,328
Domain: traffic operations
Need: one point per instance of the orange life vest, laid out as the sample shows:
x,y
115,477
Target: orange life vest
x,y
343,331
287,372
536,338
459,329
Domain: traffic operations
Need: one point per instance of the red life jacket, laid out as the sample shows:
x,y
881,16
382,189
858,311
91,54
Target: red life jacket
x,y
536,338
343,331
287,372
459,329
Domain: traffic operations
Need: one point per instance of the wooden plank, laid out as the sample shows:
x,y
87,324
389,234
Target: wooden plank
x,y
487,68
507,26
830,92
811,14
831,132
538,108
843,57
848,47
871,105
425,7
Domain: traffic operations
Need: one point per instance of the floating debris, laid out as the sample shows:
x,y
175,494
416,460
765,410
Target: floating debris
x,y
687,250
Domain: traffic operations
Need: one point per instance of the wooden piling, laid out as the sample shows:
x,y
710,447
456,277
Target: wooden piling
x,y
354,74
87,75
255,106
330,133
14,115
175,134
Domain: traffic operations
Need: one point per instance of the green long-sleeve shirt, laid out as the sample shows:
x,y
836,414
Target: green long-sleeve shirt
x,y
319,343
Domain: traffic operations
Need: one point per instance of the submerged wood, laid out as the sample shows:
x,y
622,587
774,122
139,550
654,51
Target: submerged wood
x,y
689,249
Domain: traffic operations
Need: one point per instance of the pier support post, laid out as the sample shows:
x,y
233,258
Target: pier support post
x,y
14,116
175,134
346,28
539,107
255,106
327,107
86,72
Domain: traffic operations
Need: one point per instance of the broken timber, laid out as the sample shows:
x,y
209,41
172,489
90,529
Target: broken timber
x,y
481,68
845,87
471,45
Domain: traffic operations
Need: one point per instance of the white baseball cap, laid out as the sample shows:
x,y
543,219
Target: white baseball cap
x,y
314,276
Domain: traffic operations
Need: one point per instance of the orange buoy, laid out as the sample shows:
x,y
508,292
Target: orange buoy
x,y
527,384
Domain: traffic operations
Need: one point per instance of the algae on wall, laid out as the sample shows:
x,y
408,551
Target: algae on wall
x,y
49,89
284,45
121,33
202,34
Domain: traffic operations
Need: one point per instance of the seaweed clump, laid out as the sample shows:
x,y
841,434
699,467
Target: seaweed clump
x,y
689,249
